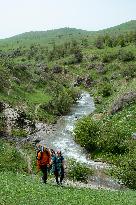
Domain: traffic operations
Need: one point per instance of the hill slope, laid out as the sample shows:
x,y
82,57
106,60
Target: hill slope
x,y
64,34
124,27
32,192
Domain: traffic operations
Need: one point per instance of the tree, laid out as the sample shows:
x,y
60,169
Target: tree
x,y
99,43
4,79
78,56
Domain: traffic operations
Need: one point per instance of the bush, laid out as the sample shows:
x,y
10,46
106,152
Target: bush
x,y
106,89
129,71
45,116
126,170
114,141
4,80
19,133
87,133
11,159
99,43
61,102
108,57
125,55
78,171
78,56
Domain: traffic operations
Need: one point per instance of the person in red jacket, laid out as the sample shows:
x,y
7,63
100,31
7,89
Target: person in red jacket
x,y
43,161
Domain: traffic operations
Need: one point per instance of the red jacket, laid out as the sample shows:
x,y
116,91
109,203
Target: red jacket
x,y
43,158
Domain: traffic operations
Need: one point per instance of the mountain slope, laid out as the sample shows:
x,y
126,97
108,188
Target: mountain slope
x,y
64,34
46,37
124,27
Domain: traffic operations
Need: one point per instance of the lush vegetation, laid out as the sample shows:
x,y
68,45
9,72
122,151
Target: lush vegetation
x,y
41,75
11,159
108,132
78,172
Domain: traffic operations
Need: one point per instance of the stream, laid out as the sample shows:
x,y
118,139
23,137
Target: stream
x,y
62,138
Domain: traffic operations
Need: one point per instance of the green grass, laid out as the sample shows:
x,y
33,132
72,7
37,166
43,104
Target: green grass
x,y
11,159
38,97
22,190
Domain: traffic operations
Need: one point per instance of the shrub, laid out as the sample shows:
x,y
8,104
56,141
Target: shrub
x,y
4,80
125,55
11,159
78,171
108,57
45,116
99,43
106,89
113,66
114,141
19,133
78,56
126,170
61,102
129,71
87,133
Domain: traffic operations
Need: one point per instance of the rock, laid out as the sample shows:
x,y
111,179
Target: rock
x,y
93,57
57,69
16,119
37,141
98,100
100,68
97,117
123,100
16,80
91,66
88,81
1,106
79,81
134,136
42,67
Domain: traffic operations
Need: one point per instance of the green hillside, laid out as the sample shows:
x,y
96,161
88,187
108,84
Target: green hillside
x,y
64,34
41,77
119,29
46,37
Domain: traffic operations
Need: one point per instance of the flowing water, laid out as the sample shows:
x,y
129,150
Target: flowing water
x,y
62,138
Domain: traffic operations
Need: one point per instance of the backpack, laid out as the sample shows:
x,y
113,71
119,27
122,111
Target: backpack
x,y
46,151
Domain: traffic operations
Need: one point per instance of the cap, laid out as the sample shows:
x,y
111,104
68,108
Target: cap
x,y
58,152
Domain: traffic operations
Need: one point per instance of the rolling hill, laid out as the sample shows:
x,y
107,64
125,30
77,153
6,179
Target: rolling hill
x,y
61,35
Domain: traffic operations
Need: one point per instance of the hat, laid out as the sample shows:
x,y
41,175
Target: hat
x,y
58,152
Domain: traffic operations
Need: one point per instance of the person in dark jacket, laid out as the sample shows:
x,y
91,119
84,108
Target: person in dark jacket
x,y
57,161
